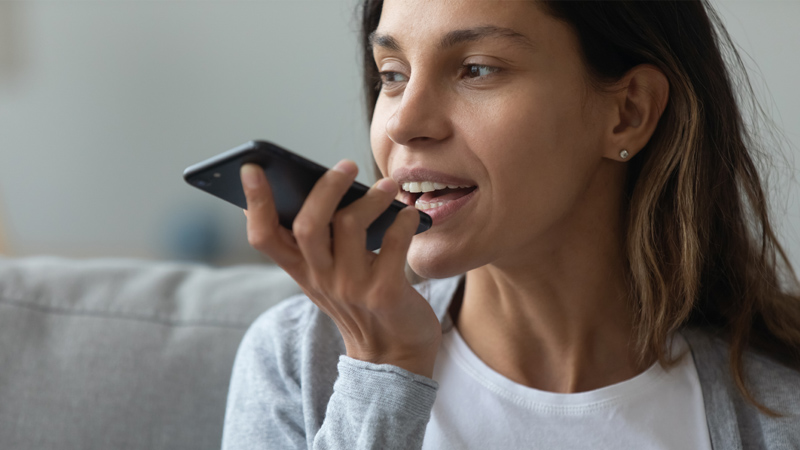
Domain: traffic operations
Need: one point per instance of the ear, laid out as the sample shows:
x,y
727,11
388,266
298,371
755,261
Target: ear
x,y
638,101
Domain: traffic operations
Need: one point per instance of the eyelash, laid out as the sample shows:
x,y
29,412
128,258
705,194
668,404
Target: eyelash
x,y
492,70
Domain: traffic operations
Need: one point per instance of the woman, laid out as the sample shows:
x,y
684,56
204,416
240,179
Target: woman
x,y
588,172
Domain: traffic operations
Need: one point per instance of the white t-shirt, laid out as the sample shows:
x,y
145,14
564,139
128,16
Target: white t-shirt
x,y
477,408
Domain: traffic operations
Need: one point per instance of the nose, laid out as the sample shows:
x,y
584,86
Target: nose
x,y
421,115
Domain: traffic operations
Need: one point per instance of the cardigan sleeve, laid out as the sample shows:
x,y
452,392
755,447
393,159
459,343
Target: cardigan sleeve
x,y
276,368
376,406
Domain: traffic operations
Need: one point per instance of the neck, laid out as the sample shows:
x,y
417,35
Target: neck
x,y
562,322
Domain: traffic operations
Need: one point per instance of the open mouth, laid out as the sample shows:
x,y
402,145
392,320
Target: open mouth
x,y
426,195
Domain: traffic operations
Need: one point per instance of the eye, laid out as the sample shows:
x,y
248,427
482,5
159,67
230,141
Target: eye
x,y
390,78
479,70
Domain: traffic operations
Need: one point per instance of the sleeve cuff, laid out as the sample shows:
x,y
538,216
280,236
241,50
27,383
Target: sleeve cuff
x,y
372,384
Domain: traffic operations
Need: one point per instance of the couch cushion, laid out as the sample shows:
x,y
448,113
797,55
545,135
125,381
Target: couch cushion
x,y
121,354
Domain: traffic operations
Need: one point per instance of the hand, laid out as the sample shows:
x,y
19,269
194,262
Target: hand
x,y
381,317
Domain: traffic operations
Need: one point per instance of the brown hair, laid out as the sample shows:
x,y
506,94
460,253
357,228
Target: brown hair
x,y
700,248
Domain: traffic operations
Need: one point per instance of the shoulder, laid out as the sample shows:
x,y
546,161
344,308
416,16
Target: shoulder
x,y
291,315
766,375
772,384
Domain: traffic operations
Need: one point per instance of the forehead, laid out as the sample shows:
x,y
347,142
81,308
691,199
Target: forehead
x,y
431,19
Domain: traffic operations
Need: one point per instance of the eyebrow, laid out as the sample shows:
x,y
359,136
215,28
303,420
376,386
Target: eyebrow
x,y
456,37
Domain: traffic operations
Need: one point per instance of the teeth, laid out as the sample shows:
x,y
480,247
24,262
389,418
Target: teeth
x,y
422,206
428,186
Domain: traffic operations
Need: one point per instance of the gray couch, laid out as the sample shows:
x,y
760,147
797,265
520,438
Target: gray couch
x,y
121,354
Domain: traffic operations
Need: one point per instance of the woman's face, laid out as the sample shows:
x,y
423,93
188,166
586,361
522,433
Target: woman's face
x,y
489,94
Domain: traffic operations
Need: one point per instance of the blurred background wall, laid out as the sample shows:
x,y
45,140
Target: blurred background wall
x,y
103,104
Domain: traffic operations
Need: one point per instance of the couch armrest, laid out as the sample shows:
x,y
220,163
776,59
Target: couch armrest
x,y
103,354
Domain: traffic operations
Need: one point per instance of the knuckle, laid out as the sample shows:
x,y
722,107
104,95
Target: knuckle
x,y
302,228
346,221
348,292
255,203
258,238
382,291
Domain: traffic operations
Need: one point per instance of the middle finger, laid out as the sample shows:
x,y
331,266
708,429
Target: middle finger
x,y
311,227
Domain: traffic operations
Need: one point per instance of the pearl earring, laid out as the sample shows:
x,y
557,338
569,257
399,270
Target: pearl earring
x,y
623,154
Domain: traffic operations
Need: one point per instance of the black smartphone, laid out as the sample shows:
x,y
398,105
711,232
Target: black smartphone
x,y
291,178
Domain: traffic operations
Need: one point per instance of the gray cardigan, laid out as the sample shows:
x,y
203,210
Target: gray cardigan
x,y
285,393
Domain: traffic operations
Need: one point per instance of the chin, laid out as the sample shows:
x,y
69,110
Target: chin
x,y
436,260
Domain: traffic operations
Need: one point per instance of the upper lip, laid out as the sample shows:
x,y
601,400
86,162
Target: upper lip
x,y
407,174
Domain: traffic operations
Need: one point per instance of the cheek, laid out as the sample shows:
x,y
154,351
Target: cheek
x,y
379,141
515,139
537,153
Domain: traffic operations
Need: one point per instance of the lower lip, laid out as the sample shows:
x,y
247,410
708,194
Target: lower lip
x,y
444,212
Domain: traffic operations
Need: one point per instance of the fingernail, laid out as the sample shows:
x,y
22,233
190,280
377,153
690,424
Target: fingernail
x,y
346,166
251,175
387,185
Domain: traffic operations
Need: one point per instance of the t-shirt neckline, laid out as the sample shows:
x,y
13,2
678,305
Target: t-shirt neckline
x,y
572,403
